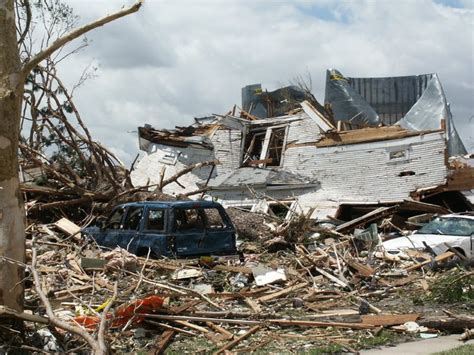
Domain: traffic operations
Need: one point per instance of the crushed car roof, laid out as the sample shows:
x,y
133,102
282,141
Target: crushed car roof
x,y
171,204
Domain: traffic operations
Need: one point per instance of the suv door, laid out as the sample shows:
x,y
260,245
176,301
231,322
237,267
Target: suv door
x,y
131,227
152,235
188,232
110,233
220,234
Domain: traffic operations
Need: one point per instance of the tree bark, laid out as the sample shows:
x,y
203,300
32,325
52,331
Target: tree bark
x,y
12,228
12,80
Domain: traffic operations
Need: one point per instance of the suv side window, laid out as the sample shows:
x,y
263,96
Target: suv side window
x,y
155,219
213,219
186,219
134,215
115,219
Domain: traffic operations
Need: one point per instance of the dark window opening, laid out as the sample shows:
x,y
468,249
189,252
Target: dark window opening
x,y
213,219
280,210
275,148
115,219
406,173
155,220
253,149
398,154
188,219
264,148
134,215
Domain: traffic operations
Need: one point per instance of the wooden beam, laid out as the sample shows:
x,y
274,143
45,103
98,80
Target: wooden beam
x,y
386,320
237,340
322,122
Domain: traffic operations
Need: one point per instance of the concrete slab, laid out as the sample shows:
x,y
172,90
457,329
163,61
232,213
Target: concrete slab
x,y
421,347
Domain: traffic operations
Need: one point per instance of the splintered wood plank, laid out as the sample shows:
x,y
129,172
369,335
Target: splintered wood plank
x,y
253,305
440,257
309,323
283,292
192,326
237,340
389,319
363,270
163,341
228,335
69,227
368,217
322,122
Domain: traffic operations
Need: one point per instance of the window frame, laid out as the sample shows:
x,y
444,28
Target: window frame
x,y
125,219
165,220
107,223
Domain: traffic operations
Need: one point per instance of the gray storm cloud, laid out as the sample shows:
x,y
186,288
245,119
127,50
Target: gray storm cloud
x,y
178,59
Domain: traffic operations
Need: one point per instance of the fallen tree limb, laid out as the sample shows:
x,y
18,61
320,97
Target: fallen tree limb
x,y
455,324
68,37
52,317
185,171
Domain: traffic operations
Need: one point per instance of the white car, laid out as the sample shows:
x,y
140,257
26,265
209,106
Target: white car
x,y
453,229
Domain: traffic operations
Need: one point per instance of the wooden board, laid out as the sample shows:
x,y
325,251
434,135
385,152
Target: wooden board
x,y
388,319
69,228
440,257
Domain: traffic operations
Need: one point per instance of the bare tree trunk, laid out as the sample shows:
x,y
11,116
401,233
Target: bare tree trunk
x,y
12,79
12,229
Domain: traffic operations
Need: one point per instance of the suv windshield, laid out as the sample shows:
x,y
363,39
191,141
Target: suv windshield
x,y
449,226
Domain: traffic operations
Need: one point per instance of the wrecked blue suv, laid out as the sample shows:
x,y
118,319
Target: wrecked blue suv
x,y
177,228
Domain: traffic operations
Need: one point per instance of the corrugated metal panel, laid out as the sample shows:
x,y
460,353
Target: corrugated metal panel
x,y
364,172
227,149
391,97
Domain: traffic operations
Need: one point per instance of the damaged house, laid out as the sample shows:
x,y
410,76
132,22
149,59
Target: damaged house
x,y
375,141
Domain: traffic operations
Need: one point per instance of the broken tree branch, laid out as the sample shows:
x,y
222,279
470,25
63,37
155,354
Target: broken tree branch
x,y
52,317
68,37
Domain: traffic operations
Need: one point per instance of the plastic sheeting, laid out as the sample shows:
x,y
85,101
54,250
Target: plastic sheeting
x,y
427,113
346,103
415,102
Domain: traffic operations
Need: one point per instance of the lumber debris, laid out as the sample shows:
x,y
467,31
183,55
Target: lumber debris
x,y
386,320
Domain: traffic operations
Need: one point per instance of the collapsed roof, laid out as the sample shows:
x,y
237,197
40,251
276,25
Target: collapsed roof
x,y
415,102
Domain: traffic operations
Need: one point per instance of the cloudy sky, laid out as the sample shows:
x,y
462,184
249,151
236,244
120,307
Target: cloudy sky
x,y
177,59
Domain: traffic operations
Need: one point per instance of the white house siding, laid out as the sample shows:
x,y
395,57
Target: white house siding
x,y
175,159
227,149
363,172
243,197
303,131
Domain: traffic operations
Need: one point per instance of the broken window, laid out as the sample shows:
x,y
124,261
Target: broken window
x,y
400,154
264,148
188,219
132,222
155,220
115,219
213,218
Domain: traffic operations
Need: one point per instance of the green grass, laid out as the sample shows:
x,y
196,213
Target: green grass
x,y
385,337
